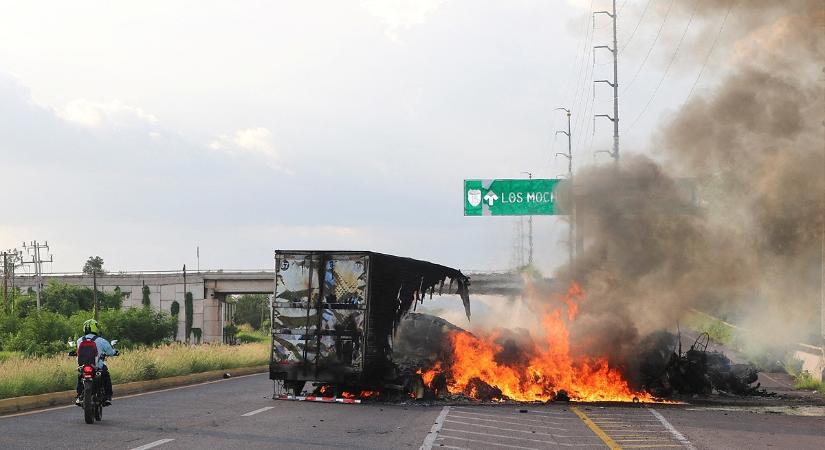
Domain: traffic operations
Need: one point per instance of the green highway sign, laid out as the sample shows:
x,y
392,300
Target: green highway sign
x,y
517,197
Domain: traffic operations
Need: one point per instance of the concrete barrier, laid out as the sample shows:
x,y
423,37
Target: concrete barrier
x,y
813,360
51,399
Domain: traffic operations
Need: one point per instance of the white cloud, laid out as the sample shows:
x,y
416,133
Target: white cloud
x,y
95,114
253,141
401,15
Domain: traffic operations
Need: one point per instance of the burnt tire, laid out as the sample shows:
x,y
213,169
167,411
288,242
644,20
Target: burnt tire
x,y
294,387
88,406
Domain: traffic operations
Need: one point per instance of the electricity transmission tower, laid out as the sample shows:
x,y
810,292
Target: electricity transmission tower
x,y
614,84
572,215
34,248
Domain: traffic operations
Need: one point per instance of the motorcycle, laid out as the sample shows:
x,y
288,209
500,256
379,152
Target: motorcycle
x,y
94,394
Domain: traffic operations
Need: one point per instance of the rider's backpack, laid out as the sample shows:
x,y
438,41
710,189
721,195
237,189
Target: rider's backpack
x,y
87,352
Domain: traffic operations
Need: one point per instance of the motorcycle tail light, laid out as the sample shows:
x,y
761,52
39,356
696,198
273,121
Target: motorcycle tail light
x,y
88,371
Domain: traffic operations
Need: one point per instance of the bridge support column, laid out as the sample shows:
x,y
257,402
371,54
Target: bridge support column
x,y
213,305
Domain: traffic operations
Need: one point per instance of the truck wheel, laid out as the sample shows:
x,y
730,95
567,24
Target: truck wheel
x,y
294,387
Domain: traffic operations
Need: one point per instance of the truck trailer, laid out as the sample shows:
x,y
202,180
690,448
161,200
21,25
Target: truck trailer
x,y
334,315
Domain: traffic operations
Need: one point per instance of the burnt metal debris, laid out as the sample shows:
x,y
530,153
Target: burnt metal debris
x,y
335,312
696,371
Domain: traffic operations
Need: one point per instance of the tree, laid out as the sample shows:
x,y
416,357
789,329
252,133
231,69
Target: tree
x,y
251,309
146,301
175,310
93,264
189,311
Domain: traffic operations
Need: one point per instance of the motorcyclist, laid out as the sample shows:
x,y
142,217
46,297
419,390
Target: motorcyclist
x,y
91,331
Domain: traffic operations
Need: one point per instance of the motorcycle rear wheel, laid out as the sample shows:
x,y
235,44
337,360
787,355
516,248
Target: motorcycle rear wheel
x,y
88,405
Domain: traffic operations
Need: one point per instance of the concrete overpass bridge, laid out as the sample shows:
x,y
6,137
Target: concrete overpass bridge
x,y
210,290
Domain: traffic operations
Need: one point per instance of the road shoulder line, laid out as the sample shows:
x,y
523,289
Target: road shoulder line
x,y
676,434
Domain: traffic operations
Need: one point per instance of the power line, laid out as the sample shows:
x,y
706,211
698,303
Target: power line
x,y
652,45
712,47
667,69
636,28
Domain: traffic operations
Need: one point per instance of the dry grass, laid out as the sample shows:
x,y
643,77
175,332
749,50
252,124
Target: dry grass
x,y
30,376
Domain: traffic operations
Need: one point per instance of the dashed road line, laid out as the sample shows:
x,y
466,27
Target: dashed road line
x,y
252,413
439,422
676,434
153,444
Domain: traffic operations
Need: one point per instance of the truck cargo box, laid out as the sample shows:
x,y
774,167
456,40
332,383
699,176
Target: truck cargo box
x,y
335,312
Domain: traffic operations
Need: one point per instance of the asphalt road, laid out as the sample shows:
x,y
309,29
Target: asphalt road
x,y
240,414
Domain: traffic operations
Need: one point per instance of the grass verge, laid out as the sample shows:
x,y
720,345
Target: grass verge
x,y
805,381
31,376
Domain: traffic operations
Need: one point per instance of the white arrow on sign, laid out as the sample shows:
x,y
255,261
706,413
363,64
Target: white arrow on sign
x,y
490,198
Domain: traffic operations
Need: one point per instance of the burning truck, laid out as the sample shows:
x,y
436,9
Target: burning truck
x,y
342,321
335,313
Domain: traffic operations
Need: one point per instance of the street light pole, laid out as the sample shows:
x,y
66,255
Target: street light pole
x,y
530,229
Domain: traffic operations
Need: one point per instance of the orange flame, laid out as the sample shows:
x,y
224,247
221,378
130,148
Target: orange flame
x,y
360,394
550,368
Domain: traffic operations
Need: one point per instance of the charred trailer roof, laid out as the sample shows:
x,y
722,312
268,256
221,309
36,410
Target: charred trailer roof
x,y
335,312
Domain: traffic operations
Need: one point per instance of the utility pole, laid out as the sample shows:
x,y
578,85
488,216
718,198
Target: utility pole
x,y
34,250
571,244
614,84
530,230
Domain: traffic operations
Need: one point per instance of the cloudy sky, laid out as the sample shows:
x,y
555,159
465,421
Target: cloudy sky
x,y
139,130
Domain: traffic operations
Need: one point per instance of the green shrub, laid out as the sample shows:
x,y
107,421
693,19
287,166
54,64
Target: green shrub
x,y
805,381
246,337
41,333
137,326
146,300
189,310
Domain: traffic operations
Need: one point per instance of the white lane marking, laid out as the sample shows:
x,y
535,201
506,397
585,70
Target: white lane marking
x,y
513,437
513,429
38,411
512,412
676,434
455,416
153,444
439,422
483,442
252,413
560,415
508,417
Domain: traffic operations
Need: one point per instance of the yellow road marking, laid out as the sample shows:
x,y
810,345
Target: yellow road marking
x,y
596,429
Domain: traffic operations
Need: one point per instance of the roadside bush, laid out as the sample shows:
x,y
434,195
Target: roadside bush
x,y
137,326
41,333
68,299
246,334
